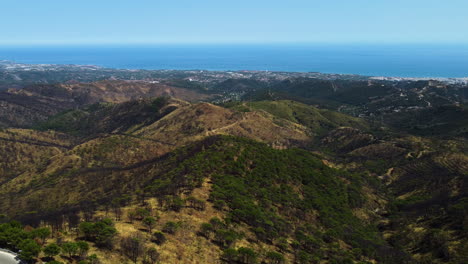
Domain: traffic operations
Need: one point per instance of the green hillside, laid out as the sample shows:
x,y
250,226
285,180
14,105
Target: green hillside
x,y
319,121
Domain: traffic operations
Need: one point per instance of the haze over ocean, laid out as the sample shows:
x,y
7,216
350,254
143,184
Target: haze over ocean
x,y
409,60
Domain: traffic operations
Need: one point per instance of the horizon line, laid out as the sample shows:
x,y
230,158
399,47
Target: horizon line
x,y
228,43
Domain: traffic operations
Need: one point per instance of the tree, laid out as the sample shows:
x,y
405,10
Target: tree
x,y
247,255
93,259
87,229
141,213
230,255
171,227
205,230
118,213
70,248
132,247
12,234
29,249
42,233
100,232
152,255
195,203
104,230
219,204
51,250
175,203
274,257
131,215
141,196
159,238
83,248
216,223
226,237
149,222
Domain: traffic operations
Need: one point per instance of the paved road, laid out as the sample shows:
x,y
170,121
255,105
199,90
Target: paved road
x,y
7,258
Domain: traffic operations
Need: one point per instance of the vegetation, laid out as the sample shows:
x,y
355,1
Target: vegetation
x,y
161,180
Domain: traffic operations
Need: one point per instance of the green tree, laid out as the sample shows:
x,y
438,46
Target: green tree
x,y
55,262
273,257
247,255
141,213
205,230
29,249
171,227
51,250
219,204
149,222
230,255
131,215
100,232
175,204
83,248
226,237
41,233
70,248
12,234
93,259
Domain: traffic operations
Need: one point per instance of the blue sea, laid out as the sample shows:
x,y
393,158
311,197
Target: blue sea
x,y
371,60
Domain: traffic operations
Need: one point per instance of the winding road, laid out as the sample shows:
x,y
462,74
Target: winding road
x,y
8,258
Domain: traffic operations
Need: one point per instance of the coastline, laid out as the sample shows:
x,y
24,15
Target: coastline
x,y
391,61
12,66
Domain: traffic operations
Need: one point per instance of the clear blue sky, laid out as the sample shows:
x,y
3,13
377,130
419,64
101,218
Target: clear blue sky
x,y
233,21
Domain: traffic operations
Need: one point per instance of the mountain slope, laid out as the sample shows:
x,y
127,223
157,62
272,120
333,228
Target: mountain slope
x,y
265,195
280,177
27,106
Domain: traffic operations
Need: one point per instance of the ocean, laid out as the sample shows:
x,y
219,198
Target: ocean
x,y
371,60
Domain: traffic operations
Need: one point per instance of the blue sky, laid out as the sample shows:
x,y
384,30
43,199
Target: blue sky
x,y
229,21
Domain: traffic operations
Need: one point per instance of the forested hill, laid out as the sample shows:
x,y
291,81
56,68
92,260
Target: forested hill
x,y
99,176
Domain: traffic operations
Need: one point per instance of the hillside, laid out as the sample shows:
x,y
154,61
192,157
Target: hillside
x,y
271,181
259,213
443,121
318,120
34,103
128,140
